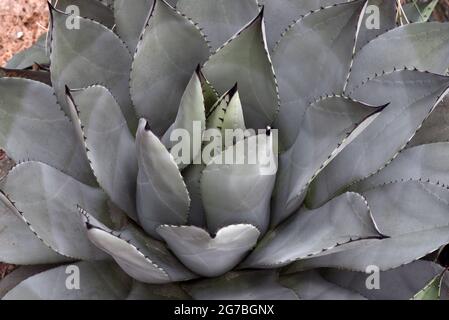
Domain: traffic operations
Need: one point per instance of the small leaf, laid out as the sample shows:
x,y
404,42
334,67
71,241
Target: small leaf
x,y
162,197
419,12
207,256
209,93
167,55
244,59
432,290
191,119
227,116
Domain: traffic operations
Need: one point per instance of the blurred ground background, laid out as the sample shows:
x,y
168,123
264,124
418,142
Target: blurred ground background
x,y
23,21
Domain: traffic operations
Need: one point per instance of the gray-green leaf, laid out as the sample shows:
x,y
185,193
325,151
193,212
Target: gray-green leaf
x,y
142,257
245,60
167,55
210,256
78,60
310,232
33,126
46,199
246,285
237,184
313,59
220,19
109,144
162,196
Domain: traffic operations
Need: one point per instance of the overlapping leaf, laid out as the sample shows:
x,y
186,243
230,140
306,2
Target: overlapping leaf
x,y
167,55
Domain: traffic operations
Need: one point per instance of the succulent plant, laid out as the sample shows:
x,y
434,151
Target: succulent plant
x,y
360,184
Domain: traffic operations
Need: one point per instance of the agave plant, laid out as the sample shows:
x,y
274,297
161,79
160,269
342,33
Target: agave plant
x,y
360,184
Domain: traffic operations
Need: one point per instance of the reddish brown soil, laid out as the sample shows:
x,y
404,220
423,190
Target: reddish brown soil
x,y
21,23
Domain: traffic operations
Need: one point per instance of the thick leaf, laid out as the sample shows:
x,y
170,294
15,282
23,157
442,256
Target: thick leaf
x,y
220,19
32,126
419,12
97,281
429,162
310,232
248,285
310,285
418,45
312,60
207,256
37,53
209,93
412,96
167,55
432,291
79,59
91,9
413,214
245,59
140,256
130,20
109,144
280,13
326,126
237,184
397,284
162,196
191,120
18,244
46,200
227,116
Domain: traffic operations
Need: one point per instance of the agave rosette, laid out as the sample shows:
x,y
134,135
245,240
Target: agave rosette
x,y
360,180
